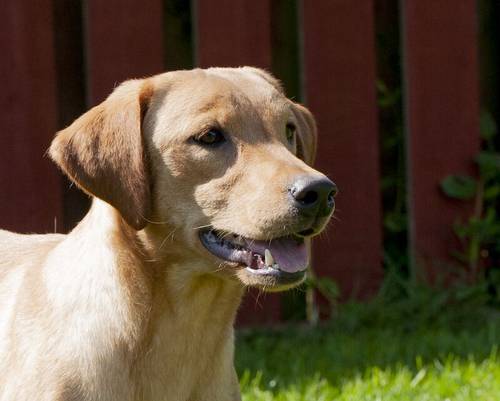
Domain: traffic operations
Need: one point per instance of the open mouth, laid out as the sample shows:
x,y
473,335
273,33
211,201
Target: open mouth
x,y
285,257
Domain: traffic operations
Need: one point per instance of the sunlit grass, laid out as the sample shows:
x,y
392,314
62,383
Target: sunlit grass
x,y
365,354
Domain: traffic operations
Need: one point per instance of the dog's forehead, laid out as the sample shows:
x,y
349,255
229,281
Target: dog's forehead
x,y
253,84
229,89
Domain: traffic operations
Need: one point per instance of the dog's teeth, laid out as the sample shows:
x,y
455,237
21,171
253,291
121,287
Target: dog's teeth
x,y
268,257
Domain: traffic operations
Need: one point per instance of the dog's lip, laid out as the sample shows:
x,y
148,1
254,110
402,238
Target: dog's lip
x,y
282,255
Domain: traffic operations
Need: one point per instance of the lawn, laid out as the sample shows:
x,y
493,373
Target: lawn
x,y
376,352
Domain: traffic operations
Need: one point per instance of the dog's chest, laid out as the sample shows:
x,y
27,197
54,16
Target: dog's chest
x,y
184,353
189,350
183,363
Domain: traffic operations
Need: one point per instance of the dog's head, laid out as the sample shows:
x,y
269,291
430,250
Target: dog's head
x,y
219,160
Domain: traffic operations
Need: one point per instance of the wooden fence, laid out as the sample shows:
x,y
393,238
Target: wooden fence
x,y
61,57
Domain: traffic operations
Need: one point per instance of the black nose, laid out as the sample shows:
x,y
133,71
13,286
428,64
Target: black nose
x,y
314,196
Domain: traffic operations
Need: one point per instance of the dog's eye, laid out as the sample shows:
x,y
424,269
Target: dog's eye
x,y
290,133
211,137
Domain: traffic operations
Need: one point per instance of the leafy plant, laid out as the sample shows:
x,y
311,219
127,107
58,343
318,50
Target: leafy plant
x,y
393,181
480,233
327,289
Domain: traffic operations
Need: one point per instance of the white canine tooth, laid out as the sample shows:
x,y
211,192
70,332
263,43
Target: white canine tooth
x,y
269,258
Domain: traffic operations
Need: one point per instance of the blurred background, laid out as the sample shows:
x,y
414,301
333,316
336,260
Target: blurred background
x,y
406,97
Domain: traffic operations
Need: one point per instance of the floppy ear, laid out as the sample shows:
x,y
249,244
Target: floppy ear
x,y
307,134
103,152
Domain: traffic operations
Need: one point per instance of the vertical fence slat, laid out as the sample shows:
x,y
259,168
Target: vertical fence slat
x,y
30,194
442,118
339,88
236,33
124,40
233,33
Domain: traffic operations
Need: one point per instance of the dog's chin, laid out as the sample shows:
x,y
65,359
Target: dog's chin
x,y
273,265
273,282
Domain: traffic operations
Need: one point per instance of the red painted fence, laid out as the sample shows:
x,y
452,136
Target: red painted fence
x,y
339,76
442,109
125,39
30,188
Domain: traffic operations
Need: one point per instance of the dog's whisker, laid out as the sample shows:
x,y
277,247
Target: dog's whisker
x,y
167,237
257,303
219,268
200,227
225,234
152,221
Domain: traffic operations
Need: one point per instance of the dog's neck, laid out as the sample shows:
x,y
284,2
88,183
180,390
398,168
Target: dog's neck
x,y
174,280
175,307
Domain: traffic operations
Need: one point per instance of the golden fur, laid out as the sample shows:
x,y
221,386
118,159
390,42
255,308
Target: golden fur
x,y
129,305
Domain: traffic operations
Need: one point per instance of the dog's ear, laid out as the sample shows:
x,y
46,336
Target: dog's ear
x,y
307,134
103,152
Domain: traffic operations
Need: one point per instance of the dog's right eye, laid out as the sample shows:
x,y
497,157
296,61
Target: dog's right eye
x,y
210,138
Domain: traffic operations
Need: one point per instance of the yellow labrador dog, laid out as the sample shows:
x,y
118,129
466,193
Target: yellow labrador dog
x,y
201,186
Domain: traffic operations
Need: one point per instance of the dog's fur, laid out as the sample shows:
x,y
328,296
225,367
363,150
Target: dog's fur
x,y
129,305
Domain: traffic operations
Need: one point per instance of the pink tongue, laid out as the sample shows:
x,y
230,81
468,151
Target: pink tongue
x,y
291,256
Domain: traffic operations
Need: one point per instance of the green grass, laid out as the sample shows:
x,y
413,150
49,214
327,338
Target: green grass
x,y
376,352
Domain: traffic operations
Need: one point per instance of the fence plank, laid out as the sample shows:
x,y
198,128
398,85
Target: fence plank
x,y
442,117
232,34
124,40
339,88
30,197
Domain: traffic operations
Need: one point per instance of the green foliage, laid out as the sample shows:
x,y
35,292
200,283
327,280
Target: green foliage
x,y
479,234
395,222
326,287
459,186
489,164
488,126
387,98
393,181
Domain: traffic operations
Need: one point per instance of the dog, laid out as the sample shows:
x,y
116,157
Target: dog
x,y
202,186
